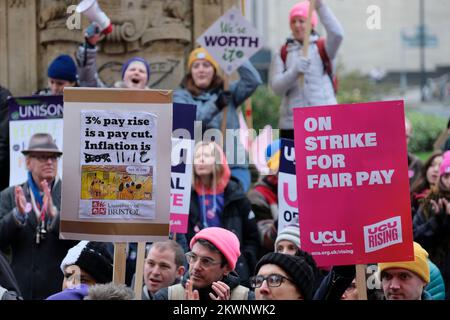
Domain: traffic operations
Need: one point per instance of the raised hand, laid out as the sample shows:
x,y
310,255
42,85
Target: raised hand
x,y
446,205
21,202
92,33
224,99
222,291
189,292
302,64
47,204
434,206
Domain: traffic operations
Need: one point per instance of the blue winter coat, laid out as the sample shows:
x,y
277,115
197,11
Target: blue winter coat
x,y
436,287
211,116
207,111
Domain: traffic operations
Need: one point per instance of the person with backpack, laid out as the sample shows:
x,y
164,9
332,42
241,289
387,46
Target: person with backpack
x,y
288,64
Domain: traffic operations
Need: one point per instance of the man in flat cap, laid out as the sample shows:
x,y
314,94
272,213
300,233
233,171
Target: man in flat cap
x,y
29,222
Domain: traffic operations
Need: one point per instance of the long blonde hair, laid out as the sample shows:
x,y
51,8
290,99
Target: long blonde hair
x,y
218,170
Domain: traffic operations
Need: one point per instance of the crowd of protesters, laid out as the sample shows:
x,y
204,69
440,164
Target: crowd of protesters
x,y
233,249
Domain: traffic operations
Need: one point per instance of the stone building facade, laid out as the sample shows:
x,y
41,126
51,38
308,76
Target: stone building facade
x,y
34,32
368,43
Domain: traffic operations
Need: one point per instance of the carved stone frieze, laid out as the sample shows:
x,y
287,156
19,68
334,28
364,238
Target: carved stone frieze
x,y
161,31
50,10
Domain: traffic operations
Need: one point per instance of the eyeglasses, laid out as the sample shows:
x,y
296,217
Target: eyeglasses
x,y
205,262
44,158
273,280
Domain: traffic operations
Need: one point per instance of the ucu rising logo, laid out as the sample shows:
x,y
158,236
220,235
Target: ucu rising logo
x,y
383,234
327,237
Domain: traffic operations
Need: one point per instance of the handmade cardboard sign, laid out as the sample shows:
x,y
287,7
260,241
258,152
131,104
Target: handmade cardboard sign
x,y
117,147
231,40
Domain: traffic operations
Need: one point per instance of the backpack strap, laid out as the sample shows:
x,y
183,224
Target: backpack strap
x,y
327,67
239,293
283,54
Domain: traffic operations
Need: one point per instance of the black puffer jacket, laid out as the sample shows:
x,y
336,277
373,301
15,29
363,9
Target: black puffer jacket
x,y
335,283
236,217
433,234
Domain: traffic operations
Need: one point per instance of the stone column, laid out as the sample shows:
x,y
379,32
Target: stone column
x,y
3,53
206,12
18,46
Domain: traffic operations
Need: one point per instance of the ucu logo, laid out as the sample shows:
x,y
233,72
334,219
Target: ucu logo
x,y
383,227
327,237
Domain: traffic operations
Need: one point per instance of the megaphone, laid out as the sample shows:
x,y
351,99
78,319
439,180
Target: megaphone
x,y
94,13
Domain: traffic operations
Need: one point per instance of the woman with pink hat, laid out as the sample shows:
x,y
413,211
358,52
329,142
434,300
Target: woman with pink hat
x,y
288,64
431,224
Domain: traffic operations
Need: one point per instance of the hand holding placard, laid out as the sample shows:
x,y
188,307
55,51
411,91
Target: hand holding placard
x,y
231,40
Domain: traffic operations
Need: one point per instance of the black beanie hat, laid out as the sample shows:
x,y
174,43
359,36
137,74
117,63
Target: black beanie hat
x,y
296,267
93,258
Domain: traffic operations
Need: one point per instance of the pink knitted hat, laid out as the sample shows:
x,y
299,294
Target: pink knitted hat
x,y
225,240
301,9
445,164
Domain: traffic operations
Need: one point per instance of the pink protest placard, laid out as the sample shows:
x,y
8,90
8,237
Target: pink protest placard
x,y
352,179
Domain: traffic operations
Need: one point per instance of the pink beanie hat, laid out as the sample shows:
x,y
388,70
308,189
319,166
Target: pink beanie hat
x,y
301,9
445,164
225,240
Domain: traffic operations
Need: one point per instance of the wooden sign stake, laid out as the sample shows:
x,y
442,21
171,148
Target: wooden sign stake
x,y
361,281
139,276
120,259
308,27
